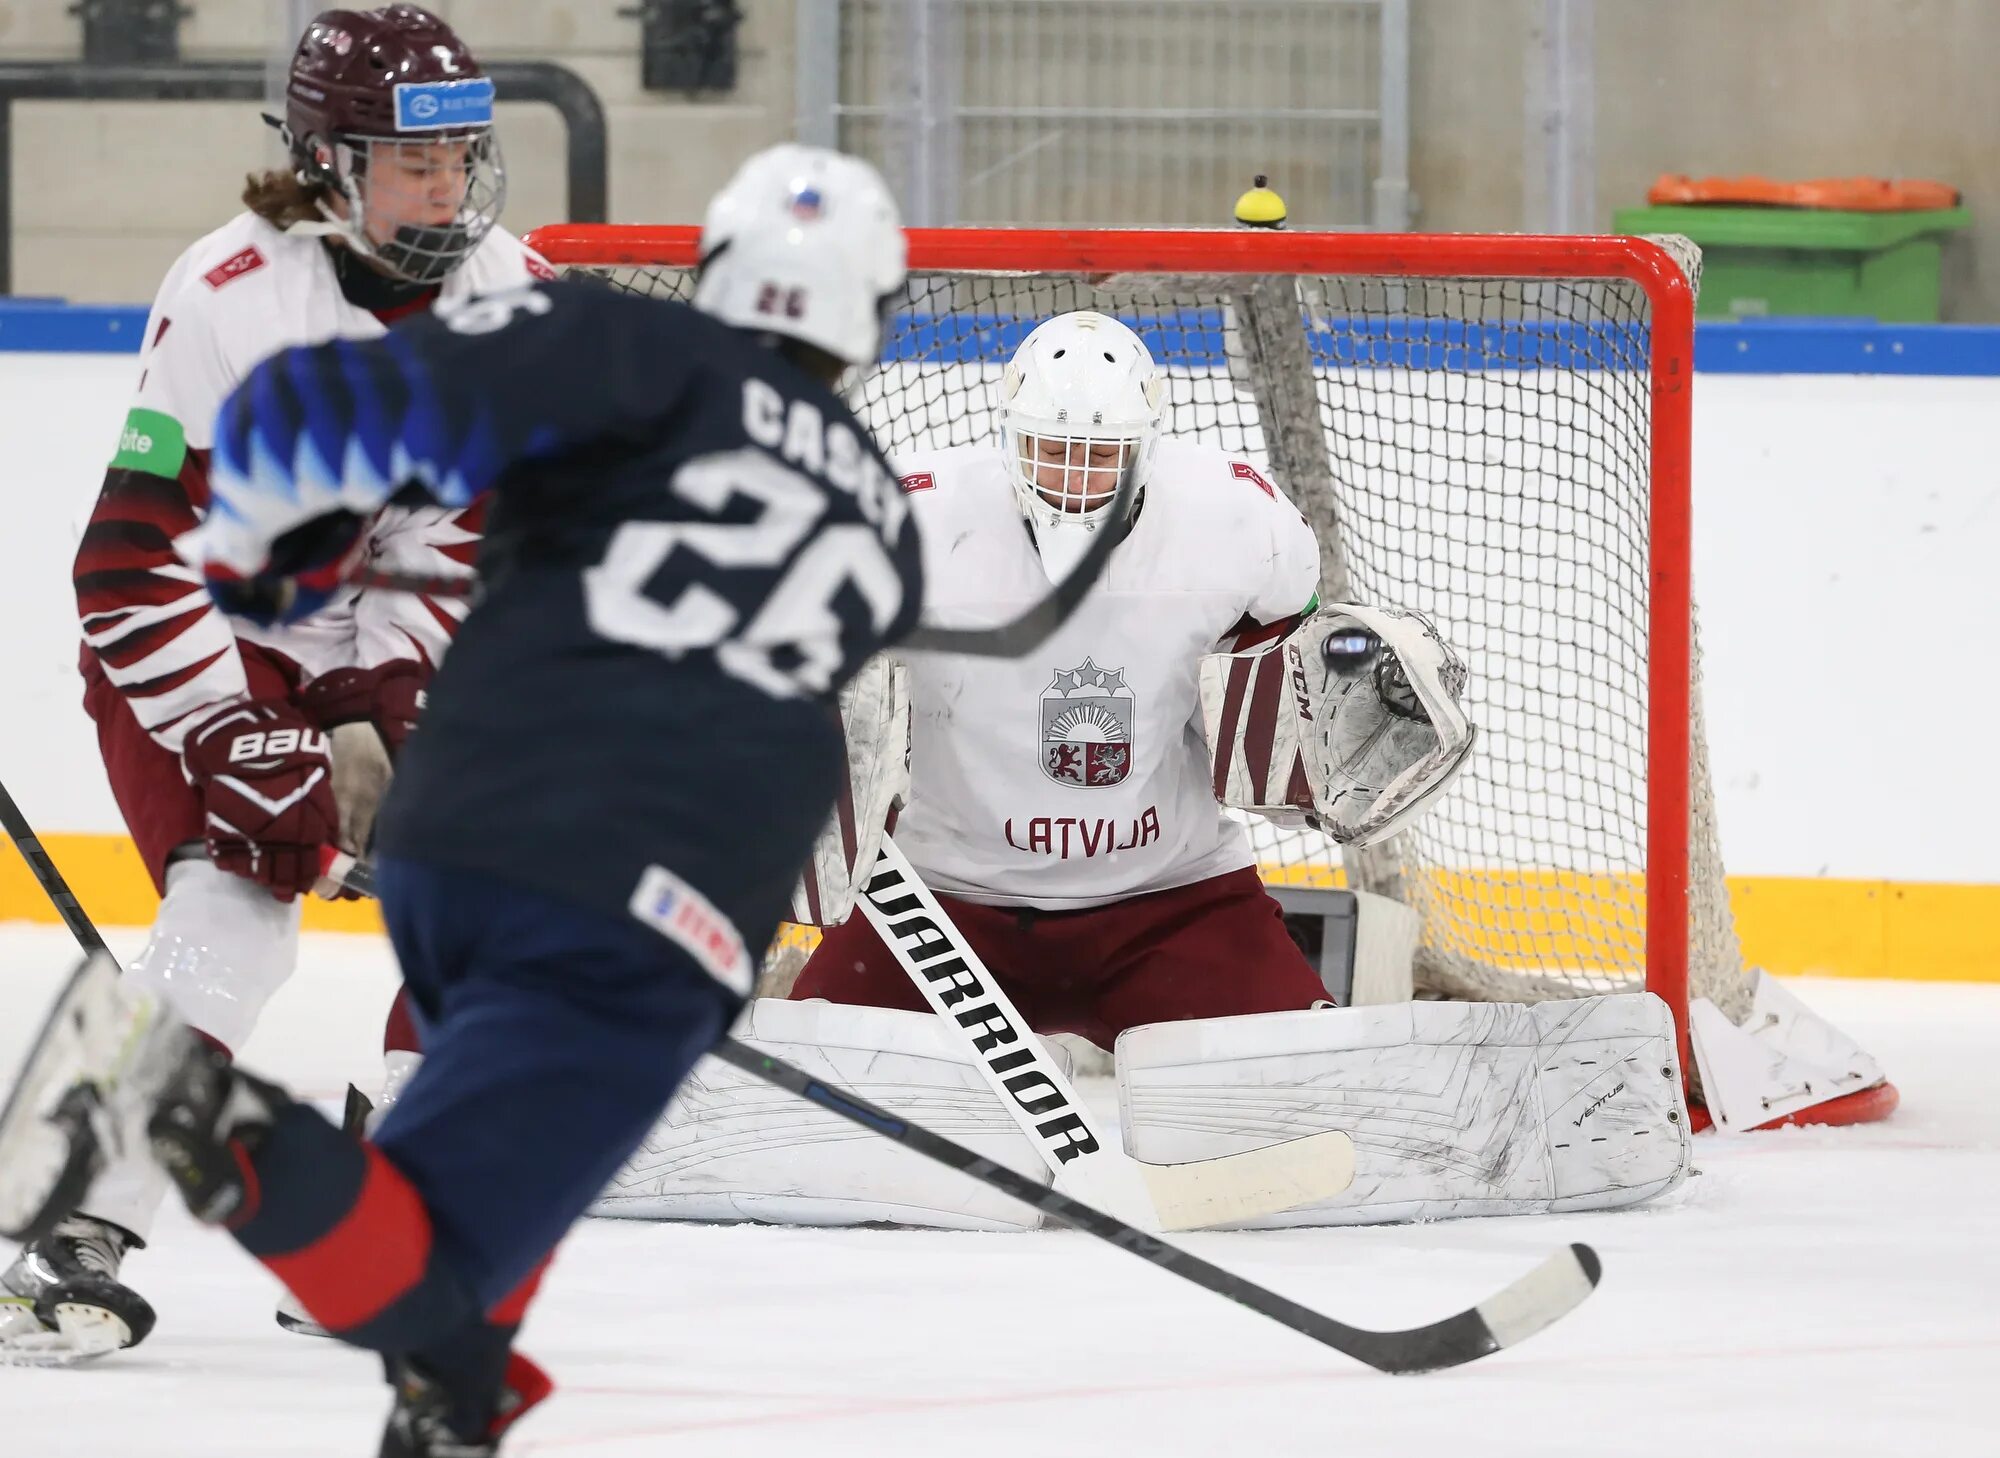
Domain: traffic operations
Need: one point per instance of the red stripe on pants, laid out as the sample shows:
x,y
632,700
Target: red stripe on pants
x,y
376,1253
514,1305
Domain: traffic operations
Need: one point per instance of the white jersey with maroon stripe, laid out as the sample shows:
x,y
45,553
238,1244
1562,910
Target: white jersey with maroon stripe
x,y
1077,775
237,296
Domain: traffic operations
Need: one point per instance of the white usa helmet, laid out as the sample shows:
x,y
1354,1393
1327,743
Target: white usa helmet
x,y
1080,399
806,243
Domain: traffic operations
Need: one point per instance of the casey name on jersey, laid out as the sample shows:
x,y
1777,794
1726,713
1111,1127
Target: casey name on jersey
x,y
796,431
1049,835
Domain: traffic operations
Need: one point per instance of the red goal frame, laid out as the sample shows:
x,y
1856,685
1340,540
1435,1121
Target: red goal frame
x,y
1670,611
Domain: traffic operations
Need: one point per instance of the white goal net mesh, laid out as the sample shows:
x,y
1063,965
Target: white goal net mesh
x,y
1476,448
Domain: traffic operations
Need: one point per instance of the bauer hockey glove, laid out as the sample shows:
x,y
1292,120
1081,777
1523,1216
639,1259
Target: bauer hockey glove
x,y
264,775
389,696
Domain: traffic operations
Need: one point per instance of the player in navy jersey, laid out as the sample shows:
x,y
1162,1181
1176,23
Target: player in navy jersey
x,y
692,545
387,206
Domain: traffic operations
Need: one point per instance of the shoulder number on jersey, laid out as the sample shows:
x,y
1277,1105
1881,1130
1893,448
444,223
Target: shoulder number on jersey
x,y
249,260
1244,471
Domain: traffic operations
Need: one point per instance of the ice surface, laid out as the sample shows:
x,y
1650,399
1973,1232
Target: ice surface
x,y
1817,1293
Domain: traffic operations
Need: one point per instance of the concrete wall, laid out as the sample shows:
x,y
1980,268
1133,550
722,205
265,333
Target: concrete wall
x,y
106,194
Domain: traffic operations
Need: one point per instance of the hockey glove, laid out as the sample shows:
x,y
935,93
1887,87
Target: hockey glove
x,y
367,713
388,696
306,567
265,778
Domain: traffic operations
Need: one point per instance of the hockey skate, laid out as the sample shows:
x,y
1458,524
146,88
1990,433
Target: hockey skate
x,y
429,1420
61,1301
115,1071
83,1094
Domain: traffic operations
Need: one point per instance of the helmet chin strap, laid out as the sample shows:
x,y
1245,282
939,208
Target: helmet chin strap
x,y
332,225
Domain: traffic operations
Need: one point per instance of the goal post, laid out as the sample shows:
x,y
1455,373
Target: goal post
x,y
1495,429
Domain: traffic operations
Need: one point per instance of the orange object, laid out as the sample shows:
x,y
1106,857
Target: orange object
x,y
1844,194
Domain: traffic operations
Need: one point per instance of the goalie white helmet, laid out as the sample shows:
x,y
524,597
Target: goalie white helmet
x,y
805,243
1080,400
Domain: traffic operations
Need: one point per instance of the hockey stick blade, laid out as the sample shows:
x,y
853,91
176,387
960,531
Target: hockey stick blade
x,y
1028,631
1236,1187
1511,1315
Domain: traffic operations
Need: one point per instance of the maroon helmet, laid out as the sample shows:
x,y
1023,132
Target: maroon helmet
x,y
368,84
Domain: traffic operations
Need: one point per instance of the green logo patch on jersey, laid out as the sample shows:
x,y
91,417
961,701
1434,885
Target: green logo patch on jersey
x,y
151,442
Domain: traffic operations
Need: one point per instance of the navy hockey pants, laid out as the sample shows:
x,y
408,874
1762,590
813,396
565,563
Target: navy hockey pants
x,y
553,1036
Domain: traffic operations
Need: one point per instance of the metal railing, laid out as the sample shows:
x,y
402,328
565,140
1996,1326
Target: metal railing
x,y
1115,112
543,81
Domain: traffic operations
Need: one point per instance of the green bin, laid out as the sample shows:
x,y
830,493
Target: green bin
x,y
1764,260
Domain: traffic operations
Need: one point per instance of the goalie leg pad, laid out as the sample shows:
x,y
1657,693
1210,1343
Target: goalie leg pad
x,y
731,1147
1454,1108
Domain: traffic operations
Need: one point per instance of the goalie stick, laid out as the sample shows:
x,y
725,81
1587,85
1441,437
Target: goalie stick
x,y
1022,634
969,1001
1511,1315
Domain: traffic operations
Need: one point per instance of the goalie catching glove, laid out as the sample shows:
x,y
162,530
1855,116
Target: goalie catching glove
x,y
1353,719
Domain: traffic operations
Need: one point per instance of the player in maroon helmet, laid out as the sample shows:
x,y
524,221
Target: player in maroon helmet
x,y
389,122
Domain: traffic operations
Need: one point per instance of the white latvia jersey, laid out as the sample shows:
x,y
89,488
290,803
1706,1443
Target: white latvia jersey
x,y
230,301
1077,775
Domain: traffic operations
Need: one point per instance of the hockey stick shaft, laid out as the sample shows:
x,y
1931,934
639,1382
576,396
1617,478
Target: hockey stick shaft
x,y
1545,1294
43,869
426,584
1004,640
1028,631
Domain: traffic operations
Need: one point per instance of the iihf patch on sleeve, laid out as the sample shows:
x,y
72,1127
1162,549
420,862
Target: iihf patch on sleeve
x,y
538,266
681,914
1244,471
921,481
233,267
